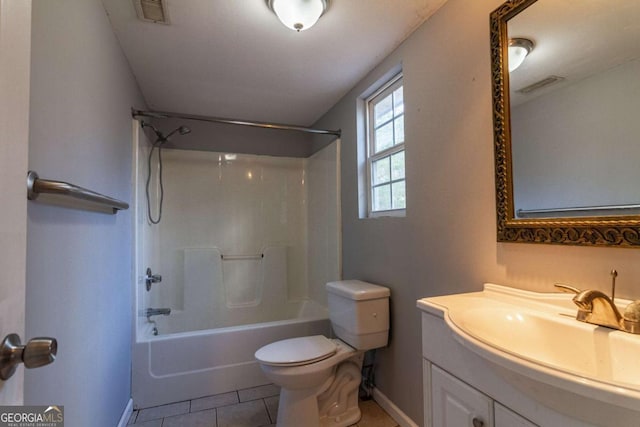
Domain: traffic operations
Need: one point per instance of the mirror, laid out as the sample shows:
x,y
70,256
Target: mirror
x,y
567,121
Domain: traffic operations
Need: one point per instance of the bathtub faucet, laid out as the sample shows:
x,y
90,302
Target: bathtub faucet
x,y
156,312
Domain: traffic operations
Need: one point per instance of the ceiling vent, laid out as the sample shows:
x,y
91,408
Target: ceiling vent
x,y
152,11
540,84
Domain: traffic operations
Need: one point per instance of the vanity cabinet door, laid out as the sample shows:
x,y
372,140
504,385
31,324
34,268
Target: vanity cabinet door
x,y
455,404
505,417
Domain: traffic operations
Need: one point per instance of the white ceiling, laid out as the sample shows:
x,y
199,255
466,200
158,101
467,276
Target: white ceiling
x,y
574,39
234,59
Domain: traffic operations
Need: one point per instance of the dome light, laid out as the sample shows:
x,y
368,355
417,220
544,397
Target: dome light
x,y
518,50
299,15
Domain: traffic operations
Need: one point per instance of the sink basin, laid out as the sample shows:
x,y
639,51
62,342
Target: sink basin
x,y
535,339
556,342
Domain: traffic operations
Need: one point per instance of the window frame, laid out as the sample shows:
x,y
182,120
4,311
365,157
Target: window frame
x,y
385,90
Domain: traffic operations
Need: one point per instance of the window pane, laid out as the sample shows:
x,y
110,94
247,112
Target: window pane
x,y
397,166
381,171
398,102
382,198
383,111
385,149
398,123
384,137
399,195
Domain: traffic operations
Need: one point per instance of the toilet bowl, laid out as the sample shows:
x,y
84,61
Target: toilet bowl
x,y
303,382
319,377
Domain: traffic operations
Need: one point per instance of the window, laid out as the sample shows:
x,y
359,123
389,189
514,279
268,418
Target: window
x,y
385,150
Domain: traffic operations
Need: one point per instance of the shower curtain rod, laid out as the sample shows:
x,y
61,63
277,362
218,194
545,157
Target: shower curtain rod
x,y
265,125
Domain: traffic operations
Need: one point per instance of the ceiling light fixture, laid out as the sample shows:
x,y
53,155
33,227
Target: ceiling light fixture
x,y
299,15
519,48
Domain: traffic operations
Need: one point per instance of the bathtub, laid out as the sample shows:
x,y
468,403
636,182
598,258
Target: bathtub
x,y
235,254
172,367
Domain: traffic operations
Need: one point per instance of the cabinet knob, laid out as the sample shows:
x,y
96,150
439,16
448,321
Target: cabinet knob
x,y
477,422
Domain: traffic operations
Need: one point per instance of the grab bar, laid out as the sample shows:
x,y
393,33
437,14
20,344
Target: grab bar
x,y
156,312
36,186
606,208
240,257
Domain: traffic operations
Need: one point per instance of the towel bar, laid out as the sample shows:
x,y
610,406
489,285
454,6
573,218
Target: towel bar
x,y
240,257
587,209
36,186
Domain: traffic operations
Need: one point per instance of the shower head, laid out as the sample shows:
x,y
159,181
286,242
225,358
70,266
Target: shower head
x,y
182,130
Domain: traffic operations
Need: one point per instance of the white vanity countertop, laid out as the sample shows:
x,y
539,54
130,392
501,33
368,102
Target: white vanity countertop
x,y
537,338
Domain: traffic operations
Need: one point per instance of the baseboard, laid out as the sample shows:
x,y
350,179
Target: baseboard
x,y
400,417
124,419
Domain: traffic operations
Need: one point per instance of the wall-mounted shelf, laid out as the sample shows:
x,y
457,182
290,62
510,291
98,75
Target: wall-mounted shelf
x,y
37,186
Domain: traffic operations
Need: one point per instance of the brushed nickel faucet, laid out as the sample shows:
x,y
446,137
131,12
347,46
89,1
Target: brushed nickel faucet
x,y
598,308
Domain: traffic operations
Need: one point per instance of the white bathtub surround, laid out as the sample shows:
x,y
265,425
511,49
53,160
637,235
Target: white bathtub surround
x,y
181,321
243,243
235,290
240,205
324,220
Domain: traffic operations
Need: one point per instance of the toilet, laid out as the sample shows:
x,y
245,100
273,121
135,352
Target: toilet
x,y
319,377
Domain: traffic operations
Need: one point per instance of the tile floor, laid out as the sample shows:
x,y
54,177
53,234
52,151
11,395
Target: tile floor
x,y
253,407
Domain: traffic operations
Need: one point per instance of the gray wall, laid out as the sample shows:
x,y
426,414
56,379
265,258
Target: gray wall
x,y
79,262
447,241
578,145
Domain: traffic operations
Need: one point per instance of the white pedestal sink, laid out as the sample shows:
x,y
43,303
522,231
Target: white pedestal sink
x,y
535,344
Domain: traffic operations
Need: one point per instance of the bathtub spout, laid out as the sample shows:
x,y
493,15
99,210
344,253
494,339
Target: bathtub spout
x,y
156,312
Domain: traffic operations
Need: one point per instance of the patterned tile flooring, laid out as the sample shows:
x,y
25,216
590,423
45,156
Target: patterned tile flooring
x,y
253,407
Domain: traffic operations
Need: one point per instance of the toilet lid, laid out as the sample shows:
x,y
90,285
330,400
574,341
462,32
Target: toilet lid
x,y
296,351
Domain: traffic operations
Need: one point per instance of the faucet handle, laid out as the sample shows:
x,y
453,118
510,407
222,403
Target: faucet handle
x,y
614,274
151,278
631,318
567,288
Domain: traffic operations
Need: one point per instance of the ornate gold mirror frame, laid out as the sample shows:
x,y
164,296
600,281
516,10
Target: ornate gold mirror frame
x,y
620,231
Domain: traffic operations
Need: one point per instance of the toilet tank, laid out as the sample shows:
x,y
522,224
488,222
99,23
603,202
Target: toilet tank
x,y
359,313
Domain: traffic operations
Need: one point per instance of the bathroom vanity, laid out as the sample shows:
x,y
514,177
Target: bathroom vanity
x,y
511,358
453,402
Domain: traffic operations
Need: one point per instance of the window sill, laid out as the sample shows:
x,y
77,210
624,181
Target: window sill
x,y
397,213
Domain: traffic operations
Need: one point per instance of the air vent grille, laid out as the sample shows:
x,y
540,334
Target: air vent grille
x,y
540,84
151,11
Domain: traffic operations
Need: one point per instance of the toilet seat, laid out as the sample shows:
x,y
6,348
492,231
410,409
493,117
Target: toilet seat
x,y
297,351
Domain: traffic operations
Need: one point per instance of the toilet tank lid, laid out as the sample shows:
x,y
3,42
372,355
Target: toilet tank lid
x,y
357,290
